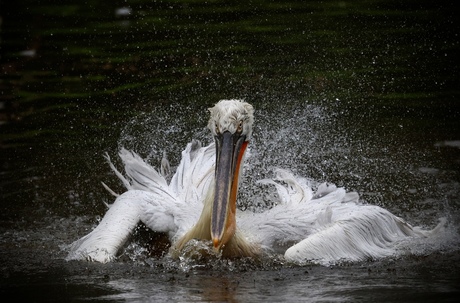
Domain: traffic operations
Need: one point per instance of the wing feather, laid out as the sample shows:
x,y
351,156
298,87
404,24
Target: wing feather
x,y
369,232
150,199
327,226
103,243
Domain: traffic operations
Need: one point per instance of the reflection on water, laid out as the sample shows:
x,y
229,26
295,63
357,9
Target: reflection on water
x,y
363,94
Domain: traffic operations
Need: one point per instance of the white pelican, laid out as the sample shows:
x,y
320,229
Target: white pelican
x,y
200,203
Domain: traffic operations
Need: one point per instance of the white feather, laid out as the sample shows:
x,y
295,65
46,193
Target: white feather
x,y
324,227
167,208
327,226
103,243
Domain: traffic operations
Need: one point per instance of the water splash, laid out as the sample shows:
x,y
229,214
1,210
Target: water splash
x,y
310,140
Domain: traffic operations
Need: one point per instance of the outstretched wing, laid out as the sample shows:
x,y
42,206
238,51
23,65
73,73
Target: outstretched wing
x,y
327,226
167,208
103,243
148,199
298,212
353,233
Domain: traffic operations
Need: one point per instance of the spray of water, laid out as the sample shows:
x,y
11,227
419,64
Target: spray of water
x,y
312,141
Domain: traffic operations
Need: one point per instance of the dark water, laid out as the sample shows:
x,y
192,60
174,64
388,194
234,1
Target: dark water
x,y
364,94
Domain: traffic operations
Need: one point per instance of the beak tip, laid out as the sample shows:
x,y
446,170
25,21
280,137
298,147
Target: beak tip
x,y
215,243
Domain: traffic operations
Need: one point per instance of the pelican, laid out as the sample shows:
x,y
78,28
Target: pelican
x,y
199,203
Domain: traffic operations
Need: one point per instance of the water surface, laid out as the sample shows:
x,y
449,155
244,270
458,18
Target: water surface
x,y
363,94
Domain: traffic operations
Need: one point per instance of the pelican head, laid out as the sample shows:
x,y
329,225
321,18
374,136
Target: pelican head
x,y
231,125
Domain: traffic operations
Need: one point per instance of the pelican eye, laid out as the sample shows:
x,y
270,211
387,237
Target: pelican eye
x,y
240,127
217,129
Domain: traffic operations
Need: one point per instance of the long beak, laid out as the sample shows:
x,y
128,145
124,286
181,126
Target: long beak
x,y
229,152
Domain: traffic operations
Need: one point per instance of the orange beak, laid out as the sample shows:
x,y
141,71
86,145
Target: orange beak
x,y
230,149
